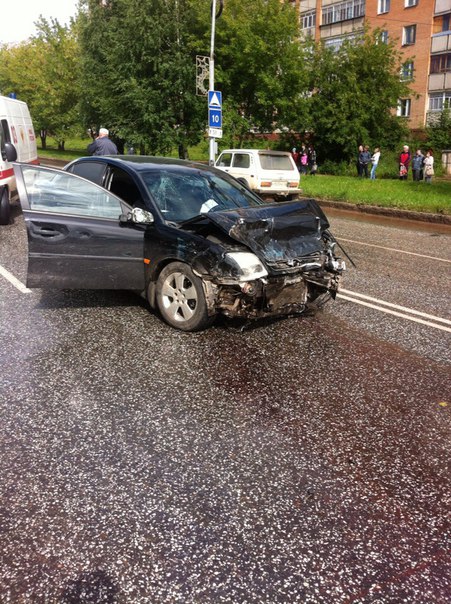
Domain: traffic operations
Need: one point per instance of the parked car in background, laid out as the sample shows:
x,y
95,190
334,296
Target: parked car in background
x,y
267,173
16,128
190,238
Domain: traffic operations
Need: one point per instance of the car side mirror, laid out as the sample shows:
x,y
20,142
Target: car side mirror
x,y
138,216
9,152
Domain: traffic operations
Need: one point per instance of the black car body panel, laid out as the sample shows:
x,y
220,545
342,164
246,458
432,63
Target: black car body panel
x,y
281,232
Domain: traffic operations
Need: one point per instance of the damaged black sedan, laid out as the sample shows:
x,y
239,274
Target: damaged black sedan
x,y
191,239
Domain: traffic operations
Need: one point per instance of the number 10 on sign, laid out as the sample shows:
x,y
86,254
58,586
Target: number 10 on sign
x,y
215,118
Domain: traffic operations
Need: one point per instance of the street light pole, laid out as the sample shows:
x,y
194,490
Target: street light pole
x,y
211,80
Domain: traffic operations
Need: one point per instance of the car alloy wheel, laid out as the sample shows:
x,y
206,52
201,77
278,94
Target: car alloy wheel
x,y
181,299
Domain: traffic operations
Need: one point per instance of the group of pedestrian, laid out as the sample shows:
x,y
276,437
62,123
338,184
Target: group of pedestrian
x,y
305,159
364,159
422,165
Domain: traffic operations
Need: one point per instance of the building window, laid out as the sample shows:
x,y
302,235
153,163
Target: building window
x,y
383,6
409,34
334,13
409,3
446,22
407,71
441,63
308,20
403,108
438,102
384,36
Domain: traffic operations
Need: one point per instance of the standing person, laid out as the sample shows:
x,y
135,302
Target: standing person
x,y
303,160
295,156
417,165
312,160
429,166
375,160
358,164
102,145
364,160
404,161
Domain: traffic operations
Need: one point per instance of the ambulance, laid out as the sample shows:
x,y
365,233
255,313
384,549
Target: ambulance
x,y
17,143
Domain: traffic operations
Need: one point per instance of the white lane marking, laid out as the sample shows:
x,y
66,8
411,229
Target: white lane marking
x,y
17,284
403,308
392,249
396,314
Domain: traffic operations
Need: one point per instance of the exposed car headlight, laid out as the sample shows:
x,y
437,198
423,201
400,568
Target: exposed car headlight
x,y
248,265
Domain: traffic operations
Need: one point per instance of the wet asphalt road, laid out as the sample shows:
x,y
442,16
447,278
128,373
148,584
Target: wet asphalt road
x,y
302,460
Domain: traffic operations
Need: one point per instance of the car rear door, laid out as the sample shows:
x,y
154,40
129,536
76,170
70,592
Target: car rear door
x,y
75,237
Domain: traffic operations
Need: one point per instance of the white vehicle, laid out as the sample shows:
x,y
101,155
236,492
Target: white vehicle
x,y
268,173
16,130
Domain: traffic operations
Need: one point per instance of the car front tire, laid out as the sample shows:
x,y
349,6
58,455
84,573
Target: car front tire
x,y
180,298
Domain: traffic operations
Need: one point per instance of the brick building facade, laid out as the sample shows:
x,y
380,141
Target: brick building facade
x,y
421,29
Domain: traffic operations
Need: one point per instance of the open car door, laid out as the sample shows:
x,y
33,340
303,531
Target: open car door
x,y
75,237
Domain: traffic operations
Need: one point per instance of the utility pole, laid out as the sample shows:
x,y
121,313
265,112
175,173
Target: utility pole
x,y
211,80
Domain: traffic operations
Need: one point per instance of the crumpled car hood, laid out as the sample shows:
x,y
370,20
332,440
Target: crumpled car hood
x,y
276,232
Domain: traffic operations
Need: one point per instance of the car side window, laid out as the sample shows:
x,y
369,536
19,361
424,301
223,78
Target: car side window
x,y
91,170
64,193
122,184
225,160
241,160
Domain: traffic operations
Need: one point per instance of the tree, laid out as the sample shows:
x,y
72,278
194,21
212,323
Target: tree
x,y
439,131
354,91
43,72
137,76
259,63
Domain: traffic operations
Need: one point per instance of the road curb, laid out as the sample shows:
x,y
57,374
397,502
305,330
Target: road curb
x,y
390,212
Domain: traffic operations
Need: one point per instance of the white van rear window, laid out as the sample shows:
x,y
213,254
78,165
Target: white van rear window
x,y
275,162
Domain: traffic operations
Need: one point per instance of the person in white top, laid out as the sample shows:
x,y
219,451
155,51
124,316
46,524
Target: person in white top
x,y
375,160
428,166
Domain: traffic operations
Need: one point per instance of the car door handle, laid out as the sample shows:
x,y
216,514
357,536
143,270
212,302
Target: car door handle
x,y
47,231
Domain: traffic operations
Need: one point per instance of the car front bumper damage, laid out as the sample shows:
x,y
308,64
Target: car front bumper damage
x,y
271,296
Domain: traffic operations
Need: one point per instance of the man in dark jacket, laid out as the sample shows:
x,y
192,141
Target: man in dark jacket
x,y
364,160
102,145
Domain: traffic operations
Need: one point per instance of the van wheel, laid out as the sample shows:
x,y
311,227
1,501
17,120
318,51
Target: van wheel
x,y
5,208
180,298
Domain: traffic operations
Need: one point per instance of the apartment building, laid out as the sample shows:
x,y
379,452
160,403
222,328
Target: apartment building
x,y
421,29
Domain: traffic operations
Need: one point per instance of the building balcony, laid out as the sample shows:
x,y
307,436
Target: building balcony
x,y
441,42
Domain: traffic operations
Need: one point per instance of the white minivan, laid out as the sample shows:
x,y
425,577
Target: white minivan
x,y
268,173
16,129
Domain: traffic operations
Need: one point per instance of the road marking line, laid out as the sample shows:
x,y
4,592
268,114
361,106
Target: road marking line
x,y
396,314
404,308
392,249
14,281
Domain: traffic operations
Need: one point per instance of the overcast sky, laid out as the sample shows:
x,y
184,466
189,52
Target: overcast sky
x,y
18,16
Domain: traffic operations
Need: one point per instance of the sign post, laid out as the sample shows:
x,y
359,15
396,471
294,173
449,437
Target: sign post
x,y
214,97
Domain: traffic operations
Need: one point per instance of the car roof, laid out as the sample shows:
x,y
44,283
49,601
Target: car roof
x,y
259,151
141,163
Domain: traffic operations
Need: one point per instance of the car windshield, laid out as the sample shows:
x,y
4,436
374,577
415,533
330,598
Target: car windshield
x,y
182,194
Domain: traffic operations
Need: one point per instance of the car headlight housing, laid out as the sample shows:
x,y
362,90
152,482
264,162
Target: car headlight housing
x,y
247,266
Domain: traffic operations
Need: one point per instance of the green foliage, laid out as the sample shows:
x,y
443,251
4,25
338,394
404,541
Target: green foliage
x,y
407,195
138,79
355,89
439,131
44,72
258,63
